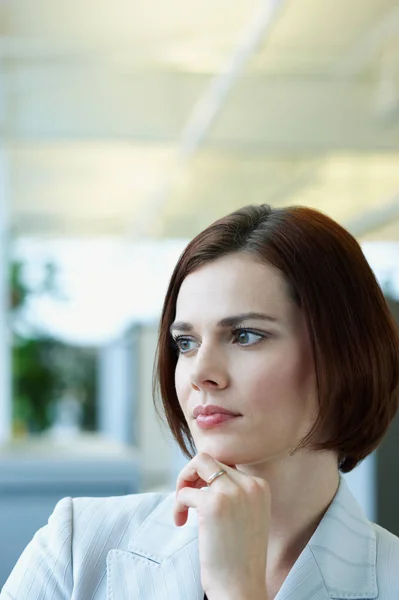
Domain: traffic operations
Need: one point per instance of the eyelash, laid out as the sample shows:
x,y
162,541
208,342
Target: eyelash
x,y
234,332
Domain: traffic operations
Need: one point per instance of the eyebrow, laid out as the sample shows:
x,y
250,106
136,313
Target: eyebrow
x,y
226,322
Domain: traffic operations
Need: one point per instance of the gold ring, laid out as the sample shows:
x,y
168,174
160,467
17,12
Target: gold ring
x,y
215,476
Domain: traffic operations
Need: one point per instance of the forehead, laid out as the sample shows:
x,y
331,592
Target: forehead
x,y
233,284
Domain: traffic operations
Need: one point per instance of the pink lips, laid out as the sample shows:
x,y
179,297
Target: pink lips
x,y
210,416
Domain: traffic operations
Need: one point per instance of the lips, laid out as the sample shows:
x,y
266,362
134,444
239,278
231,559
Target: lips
x,y
212,409
214,417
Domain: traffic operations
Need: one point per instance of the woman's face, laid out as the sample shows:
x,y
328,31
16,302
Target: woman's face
x,y
243,347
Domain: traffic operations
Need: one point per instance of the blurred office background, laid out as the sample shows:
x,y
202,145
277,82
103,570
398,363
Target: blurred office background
x,y
125,128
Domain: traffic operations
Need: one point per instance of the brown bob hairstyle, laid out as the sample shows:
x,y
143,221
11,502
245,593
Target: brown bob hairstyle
x,y
353,334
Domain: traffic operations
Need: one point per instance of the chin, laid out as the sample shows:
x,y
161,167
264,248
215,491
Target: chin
x,y
222,453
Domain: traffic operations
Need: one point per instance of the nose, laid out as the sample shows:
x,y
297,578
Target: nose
x,y
209,371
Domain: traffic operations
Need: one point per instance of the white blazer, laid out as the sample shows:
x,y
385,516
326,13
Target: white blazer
x,y
128,548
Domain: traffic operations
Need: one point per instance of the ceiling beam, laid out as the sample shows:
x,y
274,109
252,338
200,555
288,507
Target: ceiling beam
x,y
208,106
273,114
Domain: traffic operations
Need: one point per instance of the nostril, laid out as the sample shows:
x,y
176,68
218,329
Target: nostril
x,y
211,383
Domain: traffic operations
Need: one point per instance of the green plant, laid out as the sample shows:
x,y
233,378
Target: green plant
x,y
43,368
35,383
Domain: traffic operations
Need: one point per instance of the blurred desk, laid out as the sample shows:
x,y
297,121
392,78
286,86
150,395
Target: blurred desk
x,y
37,472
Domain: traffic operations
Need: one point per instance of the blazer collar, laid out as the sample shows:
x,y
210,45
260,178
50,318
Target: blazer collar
x,y
338,563
344,547
340,558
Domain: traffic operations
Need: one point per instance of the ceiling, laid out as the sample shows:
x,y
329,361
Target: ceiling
x,y
134,118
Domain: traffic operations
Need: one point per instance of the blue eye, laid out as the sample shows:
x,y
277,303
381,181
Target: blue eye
x,y
247,337
184,344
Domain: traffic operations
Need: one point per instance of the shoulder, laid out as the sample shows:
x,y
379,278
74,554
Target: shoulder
x,y
134,506
108,511
387,559
79,534
114,518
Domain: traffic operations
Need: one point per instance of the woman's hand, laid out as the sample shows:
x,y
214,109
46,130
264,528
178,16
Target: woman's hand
x,y
233,520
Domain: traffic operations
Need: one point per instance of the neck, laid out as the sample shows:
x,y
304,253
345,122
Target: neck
x,y
302,488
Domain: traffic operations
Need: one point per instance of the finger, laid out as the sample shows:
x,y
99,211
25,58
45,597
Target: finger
x,y
185,499
196,473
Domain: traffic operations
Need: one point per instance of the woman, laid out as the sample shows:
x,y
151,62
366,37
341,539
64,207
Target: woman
x,y
278,369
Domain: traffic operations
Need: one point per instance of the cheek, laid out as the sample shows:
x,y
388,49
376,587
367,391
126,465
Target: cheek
x,y
282,378
181,384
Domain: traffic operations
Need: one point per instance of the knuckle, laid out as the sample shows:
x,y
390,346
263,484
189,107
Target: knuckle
x,y
180,494
261,483
253,487
264,486
202,456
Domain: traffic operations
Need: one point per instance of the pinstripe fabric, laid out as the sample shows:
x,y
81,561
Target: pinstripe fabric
x,y
128,548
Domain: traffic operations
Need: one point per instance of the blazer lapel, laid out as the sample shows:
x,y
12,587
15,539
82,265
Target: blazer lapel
x,y
339,562
304,581
161,563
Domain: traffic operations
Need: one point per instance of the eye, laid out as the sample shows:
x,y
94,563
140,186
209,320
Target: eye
x,y
247,337
184,344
